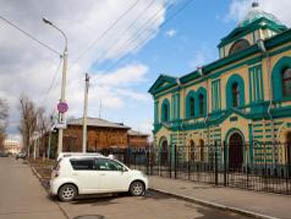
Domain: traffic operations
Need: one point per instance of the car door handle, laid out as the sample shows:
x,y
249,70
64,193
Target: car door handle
x,y
102,174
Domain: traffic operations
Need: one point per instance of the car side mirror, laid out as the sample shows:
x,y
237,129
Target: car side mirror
x,y
124,169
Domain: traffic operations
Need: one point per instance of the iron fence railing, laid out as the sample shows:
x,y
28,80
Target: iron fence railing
x,y
254,166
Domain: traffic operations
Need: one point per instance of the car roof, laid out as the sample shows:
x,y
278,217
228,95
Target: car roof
x,y
77,154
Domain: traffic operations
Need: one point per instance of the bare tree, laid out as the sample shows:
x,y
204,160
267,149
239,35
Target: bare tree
x,y
28,121
3,120
43,124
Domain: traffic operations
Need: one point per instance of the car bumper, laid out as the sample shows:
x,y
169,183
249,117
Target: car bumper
x,y
147,184
54,186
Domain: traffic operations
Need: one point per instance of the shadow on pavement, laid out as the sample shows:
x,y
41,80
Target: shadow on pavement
x,y
97,200
218,214
110,199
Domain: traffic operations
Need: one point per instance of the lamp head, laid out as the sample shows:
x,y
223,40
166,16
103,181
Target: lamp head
x,y
47,21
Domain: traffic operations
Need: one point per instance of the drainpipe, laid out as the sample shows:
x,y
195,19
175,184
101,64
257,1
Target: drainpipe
x,y
264,51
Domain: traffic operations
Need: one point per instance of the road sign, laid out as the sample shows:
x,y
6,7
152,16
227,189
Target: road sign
x,y
61,125
63,107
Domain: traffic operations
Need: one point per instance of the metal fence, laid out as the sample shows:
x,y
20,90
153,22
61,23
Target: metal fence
x,y
257,166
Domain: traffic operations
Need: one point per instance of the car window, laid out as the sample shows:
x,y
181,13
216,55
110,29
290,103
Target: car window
x,y
82,164
108,165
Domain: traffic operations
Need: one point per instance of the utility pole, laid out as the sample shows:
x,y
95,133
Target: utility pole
x,y
100,109
62,119
84,145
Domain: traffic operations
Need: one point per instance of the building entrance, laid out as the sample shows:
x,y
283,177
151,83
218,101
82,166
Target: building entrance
x,y
235,155
164,153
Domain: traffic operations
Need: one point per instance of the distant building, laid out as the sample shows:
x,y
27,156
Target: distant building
x,y
137,139
12,146
101,134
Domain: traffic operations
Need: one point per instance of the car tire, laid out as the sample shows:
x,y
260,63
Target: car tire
x,y
136,188
67,193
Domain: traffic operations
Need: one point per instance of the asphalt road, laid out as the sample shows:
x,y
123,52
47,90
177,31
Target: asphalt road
x,y
23,197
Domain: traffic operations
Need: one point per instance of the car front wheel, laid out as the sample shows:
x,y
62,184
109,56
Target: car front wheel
x,y
136,188
67,193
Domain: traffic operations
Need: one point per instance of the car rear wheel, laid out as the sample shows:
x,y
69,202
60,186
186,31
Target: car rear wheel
x,y
136,188
67,193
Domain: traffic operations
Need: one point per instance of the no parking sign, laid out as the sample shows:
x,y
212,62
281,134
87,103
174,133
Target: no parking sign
x,y
63,107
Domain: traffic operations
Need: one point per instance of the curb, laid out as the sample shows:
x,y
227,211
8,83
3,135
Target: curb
x,y
36,173
46,190
38,176
216,205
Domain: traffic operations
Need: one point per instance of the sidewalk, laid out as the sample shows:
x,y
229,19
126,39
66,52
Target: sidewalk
x,y
21,194
259,205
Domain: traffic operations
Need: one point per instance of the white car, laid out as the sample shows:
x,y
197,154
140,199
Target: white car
x,y
80,174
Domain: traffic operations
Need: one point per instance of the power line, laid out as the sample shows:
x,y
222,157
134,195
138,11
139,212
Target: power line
x,y
106,31
147,24
126,29
140,33
166,22
46,94
30,36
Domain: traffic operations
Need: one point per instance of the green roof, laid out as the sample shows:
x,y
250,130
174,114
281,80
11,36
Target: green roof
x,y
165,82
254,20
255,14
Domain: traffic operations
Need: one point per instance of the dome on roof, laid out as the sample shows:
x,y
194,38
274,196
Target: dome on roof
x,y
256,13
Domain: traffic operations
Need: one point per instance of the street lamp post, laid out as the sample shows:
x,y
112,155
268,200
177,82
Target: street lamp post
x,y
63,87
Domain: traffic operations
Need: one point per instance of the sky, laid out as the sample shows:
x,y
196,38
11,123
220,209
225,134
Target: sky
x,y
147,38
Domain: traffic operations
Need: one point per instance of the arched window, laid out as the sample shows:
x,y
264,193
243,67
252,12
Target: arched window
x,y
239,46
201,144
235,94
165,111
201,107
192,106
281,78
192,150
201,104
286,82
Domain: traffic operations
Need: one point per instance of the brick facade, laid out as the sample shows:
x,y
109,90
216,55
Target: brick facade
x,y
98,138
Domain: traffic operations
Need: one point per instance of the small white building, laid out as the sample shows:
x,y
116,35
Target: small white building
x,y
12,146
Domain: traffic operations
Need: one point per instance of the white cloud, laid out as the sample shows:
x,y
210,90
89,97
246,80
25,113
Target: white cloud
x,y
171,33
280,8
113,89
202,56
28,68
123,76
198,60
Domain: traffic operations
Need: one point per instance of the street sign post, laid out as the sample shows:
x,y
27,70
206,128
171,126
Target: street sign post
x,y
62,107
61,125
